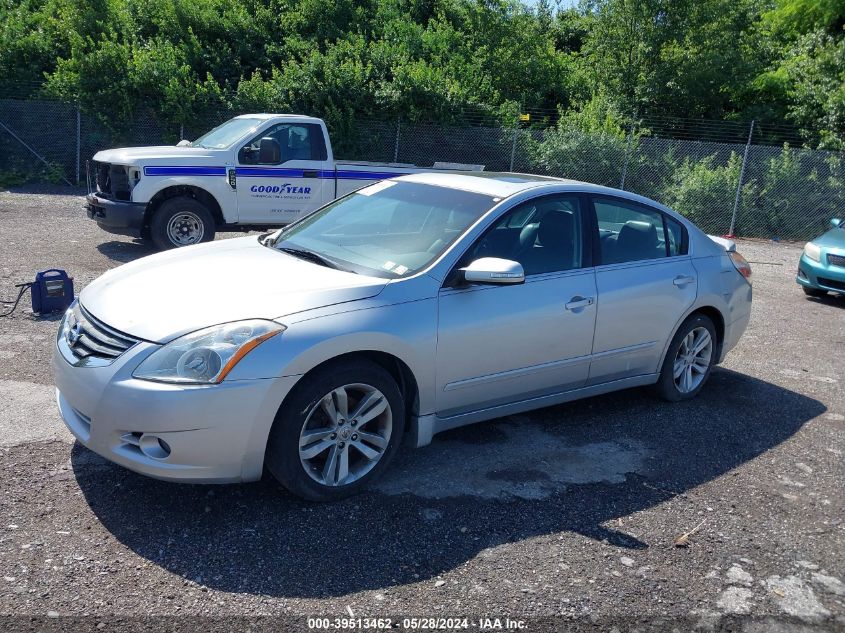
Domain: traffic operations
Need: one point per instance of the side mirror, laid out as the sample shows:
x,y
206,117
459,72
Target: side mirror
x,y
493,270
836,223
269,151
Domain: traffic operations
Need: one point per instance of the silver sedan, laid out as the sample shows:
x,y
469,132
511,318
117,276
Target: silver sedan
x,y
407,308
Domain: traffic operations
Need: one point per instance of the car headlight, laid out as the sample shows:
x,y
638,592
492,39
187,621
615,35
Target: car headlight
x,y
813,252
208,355
69,319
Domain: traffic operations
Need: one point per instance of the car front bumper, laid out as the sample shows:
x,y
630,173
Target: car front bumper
x,y
821,275
116,216
212,433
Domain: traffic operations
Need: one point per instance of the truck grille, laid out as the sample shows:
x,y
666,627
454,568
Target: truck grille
x,y
112,181
87,337
836,260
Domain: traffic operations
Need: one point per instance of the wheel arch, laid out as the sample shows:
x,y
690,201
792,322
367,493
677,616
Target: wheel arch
x,y
199,194
718,320
395,366
711,312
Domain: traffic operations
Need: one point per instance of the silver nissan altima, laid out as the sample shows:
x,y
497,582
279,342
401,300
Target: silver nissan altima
x,y
412,306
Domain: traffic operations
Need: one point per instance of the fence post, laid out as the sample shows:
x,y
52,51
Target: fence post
x,y
181,131
78,142
513,145
396,145
741,176
627,155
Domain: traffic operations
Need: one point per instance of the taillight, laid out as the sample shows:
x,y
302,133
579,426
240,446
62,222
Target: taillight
x,y
741,264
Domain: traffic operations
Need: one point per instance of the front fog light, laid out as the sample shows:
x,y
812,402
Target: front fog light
x,y
208,355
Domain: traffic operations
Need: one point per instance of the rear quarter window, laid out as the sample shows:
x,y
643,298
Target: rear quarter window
x,y
676,235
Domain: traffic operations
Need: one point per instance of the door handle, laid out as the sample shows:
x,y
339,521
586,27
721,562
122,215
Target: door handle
x,y
683,280
577,302
309,173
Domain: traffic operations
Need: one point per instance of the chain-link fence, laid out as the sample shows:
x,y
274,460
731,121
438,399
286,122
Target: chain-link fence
x,y
748,189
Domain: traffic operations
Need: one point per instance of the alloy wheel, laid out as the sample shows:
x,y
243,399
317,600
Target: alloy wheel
x,y
693,359
345,434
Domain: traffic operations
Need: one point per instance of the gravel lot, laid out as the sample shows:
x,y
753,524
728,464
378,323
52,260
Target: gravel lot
x,y
566,515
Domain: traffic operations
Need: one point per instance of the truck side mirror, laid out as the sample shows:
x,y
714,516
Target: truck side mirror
x,y
269,151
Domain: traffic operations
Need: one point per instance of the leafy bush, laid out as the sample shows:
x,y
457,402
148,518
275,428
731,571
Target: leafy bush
x,y
704,191
20,173
797,194
589,145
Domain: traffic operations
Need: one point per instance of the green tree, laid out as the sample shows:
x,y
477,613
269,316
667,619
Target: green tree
x,y
807,79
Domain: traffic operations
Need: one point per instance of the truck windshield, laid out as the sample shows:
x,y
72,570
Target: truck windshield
x,y
224,135
390,229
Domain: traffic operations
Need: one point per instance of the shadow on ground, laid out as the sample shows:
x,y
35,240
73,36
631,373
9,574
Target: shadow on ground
x,y
124,252
830,299
258,539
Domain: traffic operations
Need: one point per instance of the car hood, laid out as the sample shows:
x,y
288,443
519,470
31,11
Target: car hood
x,y
163,296
834,238
166,153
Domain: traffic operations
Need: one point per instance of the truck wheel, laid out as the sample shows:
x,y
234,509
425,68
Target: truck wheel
x,y
181,221
337,431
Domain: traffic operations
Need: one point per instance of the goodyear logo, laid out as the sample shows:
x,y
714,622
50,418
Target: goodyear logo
x,y
285,188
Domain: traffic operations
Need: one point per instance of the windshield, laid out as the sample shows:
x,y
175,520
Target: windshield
x,y
390,229
224,135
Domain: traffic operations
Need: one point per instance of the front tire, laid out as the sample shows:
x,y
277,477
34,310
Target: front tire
x,y
689,360
337,431
816,293
181,221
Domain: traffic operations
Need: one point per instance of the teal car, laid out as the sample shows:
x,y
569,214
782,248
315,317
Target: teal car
x,y
822,265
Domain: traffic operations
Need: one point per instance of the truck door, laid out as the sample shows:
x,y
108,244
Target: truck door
x,y
285,181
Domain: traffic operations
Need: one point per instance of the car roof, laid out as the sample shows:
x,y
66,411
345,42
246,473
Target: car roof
x,y
498,184
264,116
506,184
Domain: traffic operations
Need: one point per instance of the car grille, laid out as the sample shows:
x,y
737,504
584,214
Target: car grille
x,y
88,337
836,260
832,283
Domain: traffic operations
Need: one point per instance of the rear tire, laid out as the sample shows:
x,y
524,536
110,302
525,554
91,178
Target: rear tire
x,y
814,292
337,431
181,221
689,360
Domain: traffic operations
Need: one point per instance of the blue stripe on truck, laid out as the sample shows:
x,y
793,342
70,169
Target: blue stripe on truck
x,y
184,171
267,172
363,175
276,172
271,172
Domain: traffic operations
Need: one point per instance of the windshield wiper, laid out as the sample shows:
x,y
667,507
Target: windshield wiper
x,y
313,257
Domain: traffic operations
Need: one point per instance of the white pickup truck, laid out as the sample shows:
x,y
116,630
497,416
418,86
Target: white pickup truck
x,y
254,171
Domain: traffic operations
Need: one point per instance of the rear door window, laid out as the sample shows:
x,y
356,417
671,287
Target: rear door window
x,y
630,232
